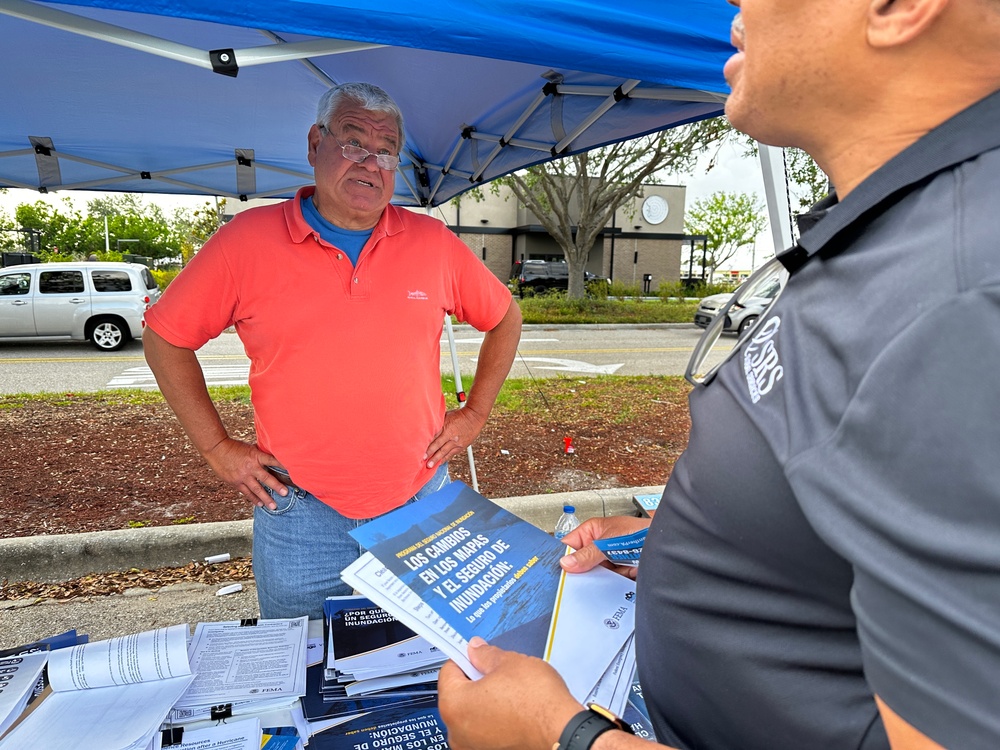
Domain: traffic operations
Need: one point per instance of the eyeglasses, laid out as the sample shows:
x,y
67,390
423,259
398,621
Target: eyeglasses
x,y
358,154
761,289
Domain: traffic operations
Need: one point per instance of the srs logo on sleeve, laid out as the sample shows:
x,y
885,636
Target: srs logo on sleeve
x,y
761,363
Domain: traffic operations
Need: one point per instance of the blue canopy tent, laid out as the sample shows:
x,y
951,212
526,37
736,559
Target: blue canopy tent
x,y
211,97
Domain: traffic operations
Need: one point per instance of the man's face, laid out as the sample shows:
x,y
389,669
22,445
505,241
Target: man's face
x,y
792,66
349,194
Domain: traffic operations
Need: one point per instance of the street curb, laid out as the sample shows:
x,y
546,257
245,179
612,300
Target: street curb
x,y
61,557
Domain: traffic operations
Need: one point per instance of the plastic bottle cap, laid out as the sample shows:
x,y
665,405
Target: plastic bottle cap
x,y
569,509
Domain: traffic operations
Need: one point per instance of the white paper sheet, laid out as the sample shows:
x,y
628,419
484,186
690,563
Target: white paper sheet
x,y
235,662
615,686
128,659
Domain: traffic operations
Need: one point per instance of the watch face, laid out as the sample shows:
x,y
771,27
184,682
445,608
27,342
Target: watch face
x,y
654,209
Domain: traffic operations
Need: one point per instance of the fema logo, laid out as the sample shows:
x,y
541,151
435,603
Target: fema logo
x,y
630,596
611,624
401,656
254,690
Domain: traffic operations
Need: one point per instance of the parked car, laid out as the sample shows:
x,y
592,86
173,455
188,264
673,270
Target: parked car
x,y
100,302
539,276
741,316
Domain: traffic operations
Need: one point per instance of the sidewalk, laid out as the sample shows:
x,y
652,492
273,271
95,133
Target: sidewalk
x,y
66,556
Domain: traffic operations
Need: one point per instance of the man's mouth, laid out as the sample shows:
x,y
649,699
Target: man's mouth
x,y
366,183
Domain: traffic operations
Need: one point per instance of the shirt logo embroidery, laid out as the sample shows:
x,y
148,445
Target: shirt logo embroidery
x,y
416,295
761,363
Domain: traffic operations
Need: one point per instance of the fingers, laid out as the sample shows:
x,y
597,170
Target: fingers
x,y
603,528
583,559
587,556
460,429
244,467
451,676
442,449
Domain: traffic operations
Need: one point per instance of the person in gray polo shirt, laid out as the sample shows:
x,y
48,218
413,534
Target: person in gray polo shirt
x,y
823,571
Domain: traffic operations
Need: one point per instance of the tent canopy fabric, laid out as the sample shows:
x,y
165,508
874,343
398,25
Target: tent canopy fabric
x,y
207,97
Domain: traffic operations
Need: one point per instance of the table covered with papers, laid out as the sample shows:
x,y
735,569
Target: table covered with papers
x,y
364,676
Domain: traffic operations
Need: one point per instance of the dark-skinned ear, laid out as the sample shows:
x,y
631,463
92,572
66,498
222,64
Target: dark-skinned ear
x,y
895,22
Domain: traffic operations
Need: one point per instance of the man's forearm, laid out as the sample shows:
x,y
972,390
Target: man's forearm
x,y
495,358
182,384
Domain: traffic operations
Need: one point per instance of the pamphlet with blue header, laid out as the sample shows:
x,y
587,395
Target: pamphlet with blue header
x,y
455,565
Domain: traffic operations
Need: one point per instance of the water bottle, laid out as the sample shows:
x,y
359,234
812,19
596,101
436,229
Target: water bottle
x,y
567,522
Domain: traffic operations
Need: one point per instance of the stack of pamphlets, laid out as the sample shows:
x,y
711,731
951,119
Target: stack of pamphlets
x,y
369,651
373,662
455,565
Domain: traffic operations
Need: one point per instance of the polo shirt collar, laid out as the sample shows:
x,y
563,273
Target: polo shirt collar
x,y
299,230
965,136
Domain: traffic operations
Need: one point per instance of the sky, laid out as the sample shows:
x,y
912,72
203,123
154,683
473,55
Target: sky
x,y
732,173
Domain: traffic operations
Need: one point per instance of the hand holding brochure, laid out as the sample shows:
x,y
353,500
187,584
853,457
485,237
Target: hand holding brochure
x,y
455,565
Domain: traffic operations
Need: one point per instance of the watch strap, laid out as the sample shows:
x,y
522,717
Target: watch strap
x,y
585,727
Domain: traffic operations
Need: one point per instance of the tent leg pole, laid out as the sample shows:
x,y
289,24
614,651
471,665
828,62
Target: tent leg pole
x,y
460,393
773,170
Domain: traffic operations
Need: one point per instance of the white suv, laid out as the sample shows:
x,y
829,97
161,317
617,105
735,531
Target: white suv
x,y
102,302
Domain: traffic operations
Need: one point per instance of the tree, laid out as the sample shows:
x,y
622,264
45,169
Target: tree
x,y
130,218
809,183
195,227
731,221
592,185
60,227
67,232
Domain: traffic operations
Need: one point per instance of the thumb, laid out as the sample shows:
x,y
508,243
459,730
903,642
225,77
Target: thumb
x,y
483,656
582,560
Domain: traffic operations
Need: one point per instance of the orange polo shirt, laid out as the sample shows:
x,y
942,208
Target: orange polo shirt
x,y
344,361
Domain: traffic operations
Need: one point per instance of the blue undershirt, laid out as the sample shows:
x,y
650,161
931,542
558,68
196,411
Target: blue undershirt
x,y
349,240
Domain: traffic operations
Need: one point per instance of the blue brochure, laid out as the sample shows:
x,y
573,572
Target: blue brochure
x,y
455,565
469,556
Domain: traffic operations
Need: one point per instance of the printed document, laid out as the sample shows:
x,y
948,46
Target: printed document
x,y
235,662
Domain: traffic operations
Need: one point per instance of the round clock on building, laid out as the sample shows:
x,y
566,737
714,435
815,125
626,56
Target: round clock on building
x,y
655,209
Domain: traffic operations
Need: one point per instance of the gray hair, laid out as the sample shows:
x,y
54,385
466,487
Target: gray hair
x,y
367,95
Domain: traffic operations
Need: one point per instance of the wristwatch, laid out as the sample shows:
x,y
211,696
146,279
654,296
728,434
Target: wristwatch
x,y
587,726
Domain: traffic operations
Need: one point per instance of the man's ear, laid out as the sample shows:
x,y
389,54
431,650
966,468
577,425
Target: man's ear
x,y
895,22
313,141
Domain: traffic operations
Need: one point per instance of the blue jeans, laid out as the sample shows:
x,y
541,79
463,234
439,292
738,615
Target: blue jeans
x,y
300,548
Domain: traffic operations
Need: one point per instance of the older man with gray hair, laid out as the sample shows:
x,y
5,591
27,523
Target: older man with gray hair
x,y
339,299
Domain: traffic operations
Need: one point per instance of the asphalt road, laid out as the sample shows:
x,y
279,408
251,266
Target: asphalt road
x,y
545,351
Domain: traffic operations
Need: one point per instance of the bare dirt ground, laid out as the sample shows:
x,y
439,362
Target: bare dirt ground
x,y
96,463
